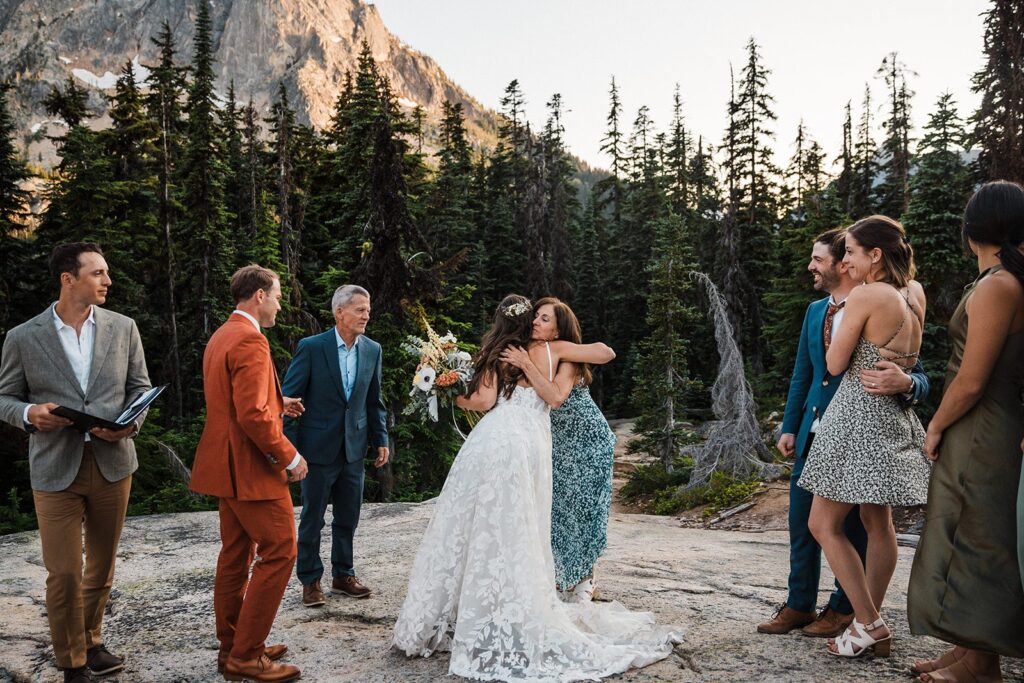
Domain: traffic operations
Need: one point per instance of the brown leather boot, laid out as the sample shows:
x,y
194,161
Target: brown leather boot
x,y
262,670
272,652
312,595
785,620
350,586
829,624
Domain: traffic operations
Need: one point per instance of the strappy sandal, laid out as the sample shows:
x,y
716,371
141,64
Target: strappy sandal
x,y
958,669
855,640
584,591
947,658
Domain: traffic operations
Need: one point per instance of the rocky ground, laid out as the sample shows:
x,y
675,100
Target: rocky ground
x,y
715,584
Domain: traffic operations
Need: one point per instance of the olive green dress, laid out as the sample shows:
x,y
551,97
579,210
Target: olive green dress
x,y
965,587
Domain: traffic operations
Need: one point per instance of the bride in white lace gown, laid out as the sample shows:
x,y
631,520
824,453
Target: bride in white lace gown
x,y
483,583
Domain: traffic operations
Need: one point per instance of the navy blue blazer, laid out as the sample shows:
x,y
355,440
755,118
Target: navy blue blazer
x,y
811,388
333,428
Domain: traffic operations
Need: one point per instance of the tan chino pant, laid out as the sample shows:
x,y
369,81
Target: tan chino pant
x,y
75,600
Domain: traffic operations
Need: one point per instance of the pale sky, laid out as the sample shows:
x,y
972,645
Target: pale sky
x,y
821,54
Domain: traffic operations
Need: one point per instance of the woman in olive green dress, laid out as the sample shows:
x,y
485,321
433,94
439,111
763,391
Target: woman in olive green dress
x,y
966,585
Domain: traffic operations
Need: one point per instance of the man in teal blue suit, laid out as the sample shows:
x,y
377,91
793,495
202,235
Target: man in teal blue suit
x,y
337,376
810,391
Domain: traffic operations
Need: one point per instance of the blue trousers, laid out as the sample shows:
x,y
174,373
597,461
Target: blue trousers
x,y
341,485
805,553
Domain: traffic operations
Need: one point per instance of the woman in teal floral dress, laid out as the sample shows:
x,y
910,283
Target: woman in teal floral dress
x,y
582,448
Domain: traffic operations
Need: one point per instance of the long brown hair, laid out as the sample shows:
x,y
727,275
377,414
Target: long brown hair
x,y
889,237
513,324
568,329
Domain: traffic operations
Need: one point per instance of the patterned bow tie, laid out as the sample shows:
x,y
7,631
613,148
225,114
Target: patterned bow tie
x,y
829,319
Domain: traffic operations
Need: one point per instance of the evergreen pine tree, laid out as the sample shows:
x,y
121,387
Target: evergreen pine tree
x,y
13,211
204,219
865,165
940,187
677,158
561,201
999,121
163,101
67,102
893,192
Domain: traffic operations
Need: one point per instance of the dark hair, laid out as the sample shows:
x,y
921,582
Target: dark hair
x,y
887,235
248,280
64,258
513,324
995,215
835,240
568,329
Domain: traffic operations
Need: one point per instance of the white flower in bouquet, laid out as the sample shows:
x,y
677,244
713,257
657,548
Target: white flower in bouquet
x,y
424,378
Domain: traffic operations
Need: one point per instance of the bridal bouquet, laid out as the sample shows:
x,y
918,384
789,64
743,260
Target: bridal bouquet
x,y
443,372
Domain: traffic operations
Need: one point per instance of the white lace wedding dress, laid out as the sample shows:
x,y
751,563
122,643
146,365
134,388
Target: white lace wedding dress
x,y
483,583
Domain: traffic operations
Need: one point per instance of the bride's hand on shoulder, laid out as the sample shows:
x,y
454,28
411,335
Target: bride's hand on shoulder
x,y
516,356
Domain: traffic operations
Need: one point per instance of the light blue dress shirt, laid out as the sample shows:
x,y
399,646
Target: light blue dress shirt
x,y
347,358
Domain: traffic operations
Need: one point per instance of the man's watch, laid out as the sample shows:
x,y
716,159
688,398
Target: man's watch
x,y
135,430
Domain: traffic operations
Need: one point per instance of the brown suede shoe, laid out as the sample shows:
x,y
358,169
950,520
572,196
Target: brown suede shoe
x,y
262,670
272,652
312,595
350,586
785,620
829,624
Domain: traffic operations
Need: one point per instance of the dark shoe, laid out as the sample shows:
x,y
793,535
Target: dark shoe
x,y
350,586
101,662
785,620
80,675
312,595
261,669
272,652
829,624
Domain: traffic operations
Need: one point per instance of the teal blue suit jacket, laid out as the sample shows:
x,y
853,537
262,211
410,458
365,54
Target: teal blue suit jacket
x,y
333,428
811,388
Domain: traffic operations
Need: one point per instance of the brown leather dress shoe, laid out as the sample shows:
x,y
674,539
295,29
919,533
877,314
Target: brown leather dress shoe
x,y
829,624
272,652
785,620
350,586
312,595
101,662
262,670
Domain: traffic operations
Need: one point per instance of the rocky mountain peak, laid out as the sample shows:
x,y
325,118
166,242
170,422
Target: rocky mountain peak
x,y
307,44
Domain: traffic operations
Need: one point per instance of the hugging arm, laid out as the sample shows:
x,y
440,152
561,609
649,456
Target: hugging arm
x,y
553,392
483,398
844,340
594,354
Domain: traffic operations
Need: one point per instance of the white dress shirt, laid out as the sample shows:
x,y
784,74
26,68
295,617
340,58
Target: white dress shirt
x,y
295,461
78,348
837,320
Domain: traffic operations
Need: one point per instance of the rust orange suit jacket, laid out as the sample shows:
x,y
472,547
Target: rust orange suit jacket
x,y
243,452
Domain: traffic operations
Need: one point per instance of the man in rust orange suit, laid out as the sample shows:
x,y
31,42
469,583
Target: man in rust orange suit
x,y
244,459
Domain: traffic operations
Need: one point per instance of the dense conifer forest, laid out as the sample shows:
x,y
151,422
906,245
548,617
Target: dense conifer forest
x,y
184,187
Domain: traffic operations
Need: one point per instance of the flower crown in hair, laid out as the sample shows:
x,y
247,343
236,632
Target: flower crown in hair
x,y
517,309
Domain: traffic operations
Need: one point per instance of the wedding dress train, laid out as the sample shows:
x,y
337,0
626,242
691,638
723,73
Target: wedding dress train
x,y
483,583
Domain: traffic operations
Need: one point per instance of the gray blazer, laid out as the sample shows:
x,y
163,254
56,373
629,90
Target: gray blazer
x,y
35,369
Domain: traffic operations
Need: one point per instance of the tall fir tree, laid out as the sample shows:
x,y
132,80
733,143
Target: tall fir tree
x,y
893,192
204,226
13,213
561,201
998,123
865,164
940,187
166,83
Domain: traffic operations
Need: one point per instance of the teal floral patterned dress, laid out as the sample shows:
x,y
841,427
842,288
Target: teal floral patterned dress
x,y
581,461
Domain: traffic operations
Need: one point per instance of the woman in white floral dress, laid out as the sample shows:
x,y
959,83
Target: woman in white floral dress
x,y
867,450
483,583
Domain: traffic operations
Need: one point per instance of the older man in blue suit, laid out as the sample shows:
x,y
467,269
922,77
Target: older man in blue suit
x,y
337,375
810,391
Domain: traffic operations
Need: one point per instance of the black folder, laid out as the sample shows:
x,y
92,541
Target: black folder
x,y
84,421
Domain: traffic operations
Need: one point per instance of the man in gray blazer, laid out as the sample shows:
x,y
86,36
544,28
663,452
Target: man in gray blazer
x,y
81,356
337,375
